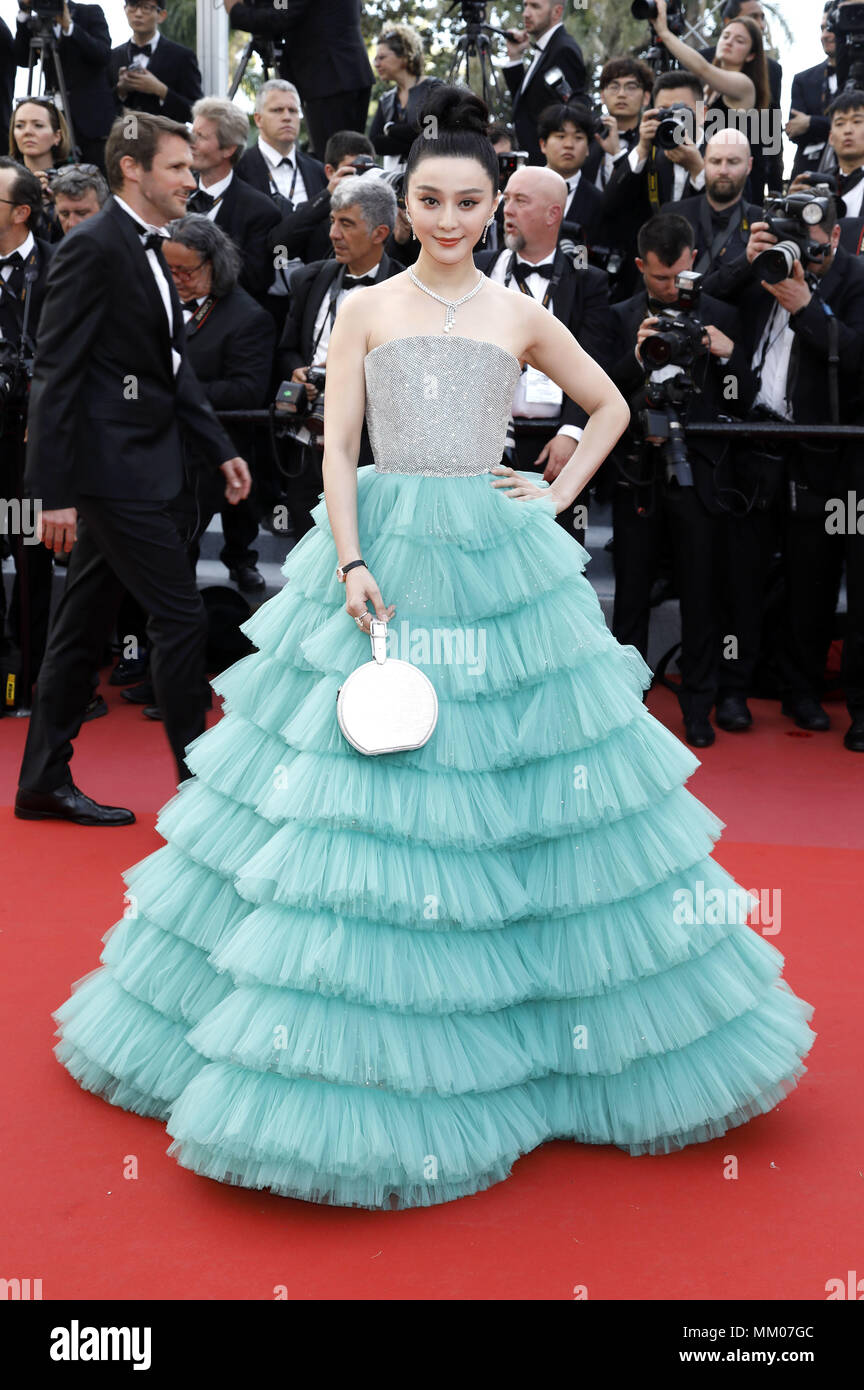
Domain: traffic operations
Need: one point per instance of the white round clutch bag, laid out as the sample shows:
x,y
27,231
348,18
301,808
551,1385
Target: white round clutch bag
x,y
386,706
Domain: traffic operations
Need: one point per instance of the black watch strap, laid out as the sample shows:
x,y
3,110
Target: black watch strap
x,y
352,565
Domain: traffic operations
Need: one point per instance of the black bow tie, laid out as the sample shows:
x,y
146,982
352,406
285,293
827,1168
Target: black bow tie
x,y
152,241
144,48
352,281
190,304
286,159
14,259
199,201
522,269
656,306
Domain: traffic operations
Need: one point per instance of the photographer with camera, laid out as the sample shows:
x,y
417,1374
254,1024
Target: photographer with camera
x,y
664,166
320,49
737,89
363,212
625,90
556,71
304,233
676,350
24,261
83,47
219,133
720,218
534,263
813,91
801,297
152,73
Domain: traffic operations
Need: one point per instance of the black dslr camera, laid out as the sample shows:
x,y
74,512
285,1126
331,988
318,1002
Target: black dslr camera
x,y
679,342
790,218
675,122
292,401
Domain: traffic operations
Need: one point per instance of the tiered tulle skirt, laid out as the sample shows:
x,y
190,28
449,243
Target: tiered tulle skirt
x,y
377,981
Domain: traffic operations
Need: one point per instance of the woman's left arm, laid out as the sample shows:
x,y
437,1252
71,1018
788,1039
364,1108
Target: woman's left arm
x,y
554,351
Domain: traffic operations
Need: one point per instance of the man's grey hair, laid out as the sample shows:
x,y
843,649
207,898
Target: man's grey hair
x,y
372,195
201,235
276,84
232,124
75,181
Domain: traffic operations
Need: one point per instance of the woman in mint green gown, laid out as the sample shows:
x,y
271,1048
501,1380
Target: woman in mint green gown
x,y
378,980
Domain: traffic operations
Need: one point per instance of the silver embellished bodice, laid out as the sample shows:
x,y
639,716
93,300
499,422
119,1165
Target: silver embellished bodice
x,y
438,404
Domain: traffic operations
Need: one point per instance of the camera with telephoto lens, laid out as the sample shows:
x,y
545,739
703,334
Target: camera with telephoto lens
x,y
16,373
678,342
790,219
396,180
292,400
647,9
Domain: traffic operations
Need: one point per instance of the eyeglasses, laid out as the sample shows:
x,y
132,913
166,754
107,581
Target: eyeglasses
x,y
143,9
183,274
629,87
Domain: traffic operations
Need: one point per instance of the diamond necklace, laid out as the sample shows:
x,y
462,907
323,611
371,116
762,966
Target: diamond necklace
x,y
451,304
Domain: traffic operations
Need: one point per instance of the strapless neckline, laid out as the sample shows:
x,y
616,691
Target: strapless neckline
x,y
446,337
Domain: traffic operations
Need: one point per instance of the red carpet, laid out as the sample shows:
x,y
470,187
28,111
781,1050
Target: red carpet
x,y
627,1228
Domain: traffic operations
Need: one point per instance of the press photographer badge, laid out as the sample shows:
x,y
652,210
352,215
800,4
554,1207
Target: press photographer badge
x,y
539,390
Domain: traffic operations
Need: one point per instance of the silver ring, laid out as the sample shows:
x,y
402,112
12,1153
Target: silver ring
x,y
359,621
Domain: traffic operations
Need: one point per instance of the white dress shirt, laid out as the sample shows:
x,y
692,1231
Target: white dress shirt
x,y
680,175
541,44
321,337
775,370
158,275
853,199
521,407
572,184
216,191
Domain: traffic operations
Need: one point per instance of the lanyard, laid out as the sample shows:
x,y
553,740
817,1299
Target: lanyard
x,y
716,245
338,283
553,280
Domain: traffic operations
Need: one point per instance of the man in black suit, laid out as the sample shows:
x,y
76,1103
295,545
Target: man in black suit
x,y
565,133
720,218
84,47
363,211
813,91
219,133
112,386
625,85
277,167
713,559
323,54
531,263
534,88
651,178
7,76
152,73
794,329
23,258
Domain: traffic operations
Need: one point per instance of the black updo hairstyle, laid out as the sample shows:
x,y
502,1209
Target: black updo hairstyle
x,y
463,130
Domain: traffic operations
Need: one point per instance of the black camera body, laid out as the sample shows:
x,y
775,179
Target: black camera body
x,y
679,340
16,373
674,123
790,219
292,400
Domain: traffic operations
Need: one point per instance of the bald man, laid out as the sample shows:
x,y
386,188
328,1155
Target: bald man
x,y
531,263
720,217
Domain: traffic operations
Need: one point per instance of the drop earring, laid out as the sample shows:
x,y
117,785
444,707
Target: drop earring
x,y
411,225
485,230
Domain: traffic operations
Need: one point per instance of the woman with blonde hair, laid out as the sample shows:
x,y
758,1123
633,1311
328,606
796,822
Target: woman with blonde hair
x,y
399,58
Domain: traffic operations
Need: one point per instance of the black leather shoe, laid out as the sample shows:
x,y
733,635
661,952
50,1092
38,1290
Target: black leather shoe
x,y
853,739
126,672
731,713
248,578
69,803
141,694
699,732
96,708
152,712
807,713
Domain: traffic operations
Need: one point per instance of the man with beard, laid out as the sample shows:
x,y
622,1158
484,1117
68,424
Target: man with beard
x,y
719,217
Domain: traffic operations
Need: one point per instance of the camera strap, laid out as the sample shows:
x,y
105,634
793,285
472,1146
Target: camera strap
x,y
335,291
653,180
833,363
718,242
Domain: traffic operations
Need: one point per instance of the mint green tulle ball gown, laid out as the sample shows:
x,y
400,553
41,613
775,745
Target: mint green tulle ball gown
x,y
376,981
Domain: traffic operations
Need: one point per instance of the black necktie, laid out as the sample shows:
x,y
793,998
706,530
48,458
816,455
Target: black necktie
x,y
199,201
352,281
522,269
144,48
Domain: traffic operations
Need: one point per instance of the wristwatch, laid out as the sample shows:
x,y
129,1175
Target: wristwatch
x,y
342,570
